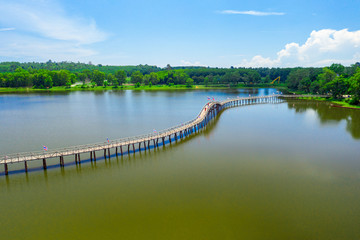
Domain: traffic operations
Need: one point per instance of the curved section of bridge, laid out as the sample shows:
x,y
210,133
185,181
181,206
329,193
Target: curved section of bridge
x,y
131,144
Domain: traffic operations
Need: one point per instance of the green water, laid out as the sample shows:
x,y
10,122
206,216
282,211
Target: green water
x,y
271,171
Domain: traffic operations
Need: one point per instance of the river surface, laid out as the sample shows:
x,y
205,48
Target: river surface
x,y
270,171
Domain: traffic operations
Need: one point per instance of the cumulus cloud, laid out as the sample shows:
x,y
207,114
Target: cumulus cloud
x,y
188,63
252,13
322,48
43,28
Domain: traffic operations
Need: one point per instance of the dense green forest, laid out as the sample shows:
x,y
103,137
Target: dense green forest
x,y
336,80
74,67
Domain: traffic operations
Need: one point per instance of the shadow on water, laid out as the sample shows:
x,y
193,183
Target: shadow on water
x,y
330,115
128,159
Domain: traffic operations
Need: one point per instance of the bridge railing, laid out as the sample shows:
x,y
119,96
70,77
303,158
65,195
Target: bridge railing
x,y
10,158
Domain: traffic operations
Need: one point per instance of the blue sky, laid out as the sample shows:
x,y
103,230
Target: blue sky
x,y
189,32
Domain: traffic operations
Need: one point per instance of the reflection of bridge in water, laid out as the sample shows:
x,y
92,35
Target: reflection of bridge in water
x,y
143,142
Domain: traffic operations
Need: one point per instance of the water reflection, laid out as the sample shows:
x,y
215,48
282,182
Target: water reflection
x,y
131,159
330,115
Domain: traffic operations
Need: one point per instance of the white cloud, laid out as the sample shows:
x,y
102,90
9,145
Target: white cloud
x,y
322,48
6,29
50,20
188,63
28,48
45,30
253,13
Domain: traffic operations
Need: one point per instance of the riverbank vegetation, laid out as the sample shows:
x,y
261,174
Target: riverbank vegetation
x,y
342,83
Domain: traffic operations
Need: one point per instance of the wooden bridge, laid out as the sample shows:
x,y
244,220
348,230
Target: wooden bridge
x,y
130,144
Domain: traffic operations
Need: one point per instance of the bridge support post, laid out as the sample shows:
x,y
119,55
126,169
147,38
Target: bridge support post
x,y
157,142
109,152
170,138
175,137
44,164
116,151
26,166
105,153
79,158
91,158
75,157
129,149
121,151
61,161
134,147
139,146
6,169
149,144
94,156
163,140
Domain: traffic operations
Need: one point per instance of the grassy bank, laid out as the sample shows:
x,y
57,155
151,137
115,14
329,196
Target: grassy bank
x,y
131,87
334,102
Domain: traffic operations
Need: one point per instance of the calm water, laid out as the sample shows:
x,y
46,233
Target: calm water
x,y
271,171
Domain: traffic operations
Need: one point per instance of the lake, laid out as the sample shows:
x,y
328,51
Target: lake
x,y
289,170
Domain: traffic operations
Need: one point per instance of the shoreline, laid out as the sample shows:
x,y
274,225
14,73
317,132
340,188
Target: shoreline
x,y
129,87
333,103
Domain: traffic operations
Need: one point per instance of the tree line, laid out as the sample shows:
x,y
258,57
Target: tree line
x,y
336,80
75,67
44,78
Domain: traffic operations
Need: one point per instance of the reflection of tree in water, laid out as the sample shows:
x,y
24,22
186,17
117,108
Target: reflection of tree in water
x,y
330,115
253,91
353,124
266,91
